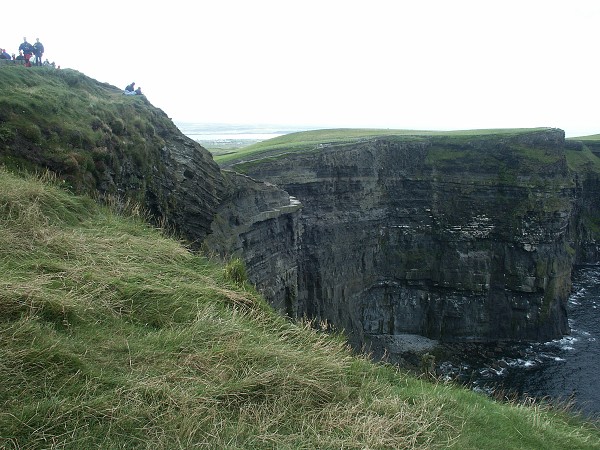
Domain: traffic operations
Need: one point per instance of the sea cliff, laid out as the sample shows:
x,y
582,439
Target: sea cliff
x,y
452,237
458,236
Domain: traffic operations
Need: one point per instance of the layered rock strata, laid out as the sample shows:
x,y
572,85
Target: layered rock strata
x,y
456,239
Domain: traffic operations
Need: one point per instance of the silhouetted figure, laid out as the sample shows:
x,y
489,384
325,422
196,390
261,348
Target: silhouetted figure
x,y
130,87
138,91
38,51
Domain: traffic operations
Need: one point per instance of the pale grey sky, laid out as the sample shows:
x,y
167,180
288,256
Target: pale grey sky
x,y
428,64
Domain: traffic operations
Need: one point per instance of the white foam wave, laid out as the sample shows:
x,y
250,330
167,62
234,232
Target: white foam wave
x,y
529,363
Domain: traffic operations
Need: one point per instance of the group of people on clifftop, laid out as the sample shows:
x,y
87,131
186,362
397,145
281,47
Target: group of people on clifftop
x,y
30,54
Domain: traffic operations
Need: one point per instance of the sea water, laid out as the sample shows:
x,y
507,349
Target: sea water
x,y
227,132
563,371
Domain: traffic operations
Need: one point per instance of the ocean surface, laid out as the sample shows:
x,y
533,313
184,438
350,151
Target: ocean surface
x,y
562,371
226,134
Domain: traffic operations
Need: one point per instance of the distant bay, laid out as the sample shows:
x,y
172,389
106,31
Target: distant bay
x,y
229,136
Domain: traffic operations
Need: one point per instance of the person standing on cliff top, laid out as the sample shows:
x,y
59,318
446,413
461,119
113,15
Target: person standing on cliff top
x,y
38,50
27,49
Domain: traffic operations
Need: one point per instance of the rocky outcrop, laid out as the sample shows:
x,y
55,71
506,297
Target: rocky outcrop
x,y
259,223
188,191
105,144
455,239
174,178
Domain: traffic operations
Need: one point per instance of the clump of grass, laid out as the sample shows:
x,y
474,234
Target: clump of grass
x,y
235,270
115,336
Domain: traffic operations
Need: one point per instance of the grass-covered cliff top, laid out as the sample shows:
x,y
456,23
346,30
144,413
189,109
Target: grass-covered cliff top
x,y
591,137
449,148
115,336
312,140
75,125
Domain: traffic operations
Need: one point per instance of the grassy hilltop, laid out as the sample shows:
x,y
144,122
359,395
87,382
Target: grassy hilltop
x,y
580,158
114,335
76,126
307,141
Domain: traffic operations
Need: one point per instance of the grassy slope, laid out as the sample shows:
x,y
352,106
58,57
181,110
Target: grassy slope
x,y
592,137
114,336
307,140
74,125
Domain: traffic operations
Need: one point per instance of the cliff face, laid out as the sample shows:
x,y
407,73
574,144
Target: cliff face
x,y
458,239
584,227
185,188
177,182
259,223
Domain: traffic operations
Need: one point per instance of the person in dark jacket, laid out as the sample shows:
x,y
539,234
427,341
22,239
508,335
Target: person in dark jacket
x,y
38,51
27,50
129,89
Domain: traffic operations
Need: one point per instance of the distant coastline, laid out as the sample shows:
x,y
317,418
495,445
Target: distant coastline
x,y
214,136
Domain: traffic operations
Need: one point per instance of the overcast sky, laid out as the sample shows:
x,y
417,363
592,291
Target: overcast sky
x,y
419,64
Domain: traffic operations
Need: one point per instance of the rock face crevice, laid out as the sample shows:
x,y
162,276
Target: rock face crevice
x,y
452,239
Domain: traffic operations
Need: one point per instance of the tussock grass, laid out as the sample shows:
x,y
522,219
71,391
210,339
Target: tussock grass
x,y
115,336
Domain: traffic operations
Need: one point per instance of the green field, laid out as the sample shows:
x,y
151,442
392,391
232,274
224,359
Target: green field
x,y
592,137
313,140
